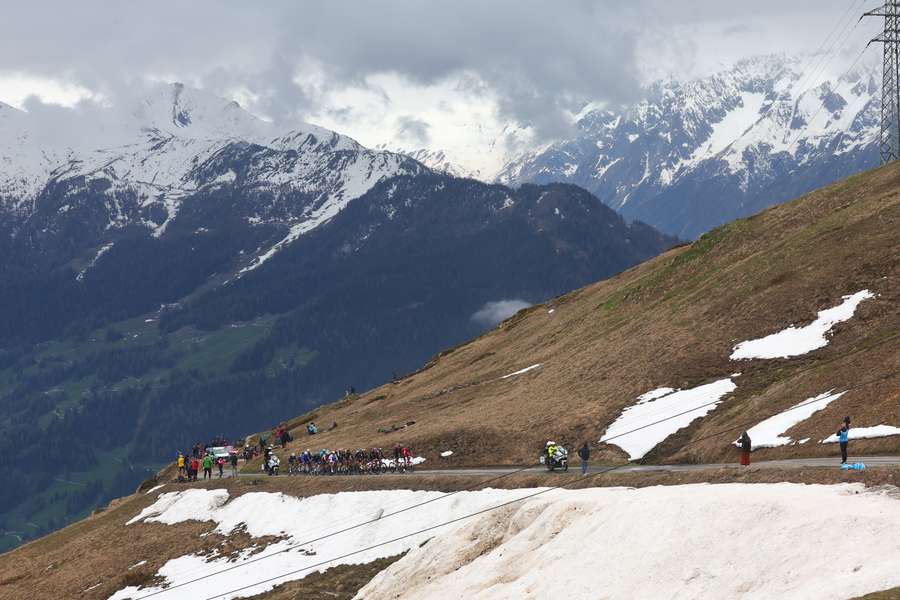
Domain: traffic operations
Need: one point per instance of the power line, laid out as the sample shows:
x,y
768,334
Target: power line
x,y
889,136
520,470
819,57
822,103
816,365
501,505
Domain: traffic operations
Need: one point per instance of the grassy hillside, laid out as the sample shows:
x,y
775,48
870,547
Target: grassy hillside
x,y
672,321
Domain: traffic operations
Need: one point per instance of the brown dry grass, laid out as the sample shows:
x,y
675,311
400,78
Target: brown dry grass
x,y
893,594
669,322
101,549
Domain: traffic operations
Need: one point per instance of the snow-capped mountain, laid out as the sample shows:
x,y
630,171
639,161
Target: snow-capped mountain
x,y
303,262
699,153
176,142
435,159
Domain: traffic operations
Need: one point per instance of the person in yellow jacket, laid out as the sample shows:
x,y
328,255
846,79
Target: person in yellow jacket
x,y
180,465
551,450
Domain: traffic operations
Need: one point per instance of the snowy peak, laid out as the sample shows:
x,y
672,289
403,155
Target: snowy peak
x,y
176,141
746,127
189,112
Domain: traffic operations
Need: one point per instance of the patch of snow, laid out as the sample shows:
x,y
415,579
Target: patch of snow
x,y
415,460
632,137
446,453
734,124
862,433
551,311
137,564
298,520
175,507
658,414
600,171
103,250
153,489
521,371
749,541
795,341
768,433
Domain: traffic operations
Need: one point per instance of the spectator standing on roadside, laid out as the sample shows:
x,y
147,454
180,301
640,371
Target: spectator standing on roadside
x,y
844,438
207,467
234,463
584,453
746,447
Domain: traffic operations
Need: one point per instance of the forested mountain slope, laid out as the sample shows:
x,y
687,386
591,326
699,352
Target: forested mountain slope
x,y
123,344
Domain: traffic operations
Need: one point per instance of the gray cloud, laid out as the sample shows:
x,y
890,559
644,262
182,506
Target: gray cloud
x,y
540,58
493,313
414,129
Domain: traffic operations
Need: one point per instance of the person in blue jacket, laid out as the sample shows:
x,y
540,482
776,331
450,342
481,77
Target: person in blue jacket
x,y
844,437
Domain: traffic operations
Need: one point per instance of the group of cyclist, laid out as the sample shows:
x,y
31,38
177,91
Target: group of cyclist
x,y
349,462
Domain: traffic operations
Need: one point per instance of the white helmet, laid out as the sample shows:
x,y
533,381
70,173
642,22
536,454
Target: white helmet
x,y
551,443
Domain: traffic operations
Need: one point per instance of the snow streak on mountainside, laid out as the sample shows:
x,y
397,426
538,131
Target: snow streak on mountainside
x,y
178,141
697,154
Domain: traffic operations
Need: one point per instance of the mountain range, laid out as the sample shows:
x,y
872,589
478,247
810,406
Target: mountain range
x,y
745,329
179,267
698,153
202,272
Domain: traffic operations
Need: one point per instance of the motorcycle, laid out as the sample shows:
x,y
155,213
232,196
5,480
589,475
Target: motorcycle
x,y
558,460
274,463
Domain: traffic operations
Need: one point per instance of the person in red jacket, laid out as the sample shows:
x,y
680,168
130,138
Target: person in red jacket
x,y
746,447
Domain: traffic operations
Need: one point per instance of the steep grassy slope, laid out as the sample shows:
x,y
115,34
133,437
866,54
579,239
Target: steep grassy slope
x,y
671,321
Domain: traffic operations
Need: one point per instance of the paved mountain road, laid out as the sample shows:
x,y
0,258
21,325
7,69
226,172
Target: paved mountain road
x,y
575,467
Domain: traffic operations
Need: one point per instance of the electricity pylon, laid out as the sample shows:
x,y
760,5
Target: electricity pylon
x,y
889,142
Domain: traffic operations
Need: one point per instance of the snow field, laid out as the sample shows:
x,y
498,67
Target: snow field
x,y
769,433
795,341
175,507
749,541
862,433
297,520
675,408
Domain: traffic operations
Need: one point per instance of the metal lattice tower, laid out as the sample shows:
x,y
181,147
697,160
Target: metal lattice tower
x,y
889,142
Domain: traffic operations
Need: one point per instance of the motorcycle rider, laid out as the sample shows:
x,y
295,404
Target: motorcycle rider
x,y
551,450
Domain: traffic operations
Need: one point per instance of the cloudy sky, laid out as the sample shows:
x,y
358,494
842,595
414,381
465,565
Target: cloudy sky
x,y
409,73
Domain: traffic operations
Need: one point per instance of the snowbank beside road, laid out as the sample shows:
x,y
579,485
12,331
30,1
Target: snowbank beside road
x,y
862,433
795,341
745,541
769,433
297,520
658,414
